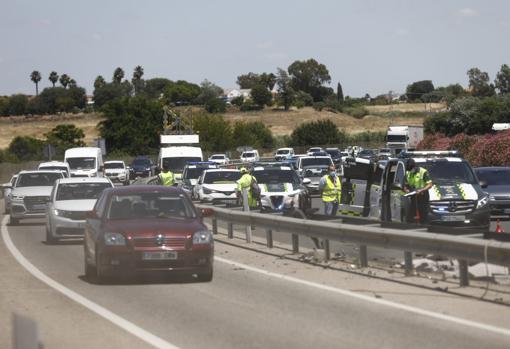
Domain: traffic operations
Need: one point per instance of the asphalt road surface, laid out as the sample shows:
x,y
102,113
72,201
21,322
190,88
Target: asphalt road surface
x,y
238,309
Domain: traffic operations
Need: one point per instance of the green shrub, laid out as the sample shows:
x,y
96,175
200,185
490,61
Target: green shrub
x,y
317,132
299,104
215,105
23,148
319,106
237,101
249,105
356,112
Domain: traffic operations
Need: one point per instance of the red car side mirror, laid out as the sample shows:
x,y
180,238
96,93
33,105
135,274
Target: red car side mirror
x,y
207,212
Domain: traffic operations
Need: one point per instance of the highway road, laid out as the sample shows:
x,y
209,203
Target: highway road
x,y
240,308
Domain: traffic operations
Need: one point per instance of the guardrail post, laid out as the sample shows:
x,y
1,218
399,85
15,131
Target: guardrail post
x,y
230,230
463,273
327,252
215,225
269,238
363,256
295,243
408,263
246,208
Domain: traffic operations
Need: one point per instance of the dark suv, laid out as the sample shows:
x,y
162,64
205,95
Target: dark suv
x,y
142,166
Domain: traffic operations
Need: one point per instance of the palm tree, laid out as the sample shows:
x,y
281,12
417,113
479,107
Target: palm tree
x,y
99,82
137,78
118,75
64,80
36,77
72,83
53,77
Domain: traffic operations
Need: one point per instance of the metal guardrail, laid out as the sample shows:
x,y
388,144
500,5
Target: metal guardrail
x,y
462,248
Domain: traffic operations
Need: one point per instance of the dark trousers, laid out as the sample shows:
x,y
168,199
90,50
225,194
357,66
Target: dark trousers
x,y
419,206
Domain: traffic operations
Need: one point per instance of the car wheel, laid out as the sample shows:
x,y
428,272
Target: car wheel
x,y
13,221
90,271
100,275
206,276
50,240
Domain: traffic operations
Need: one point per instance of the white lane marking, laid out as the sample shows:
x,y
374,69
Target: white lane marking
x,y
96,308
456,320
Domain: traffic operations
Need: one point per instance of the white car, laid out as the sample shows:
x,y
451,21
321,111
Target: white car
x,y
284,154
6,190
31,193
307,161
190,176
312,150
220,159
55,165
250,156
218,185
70,200
281,189
117,172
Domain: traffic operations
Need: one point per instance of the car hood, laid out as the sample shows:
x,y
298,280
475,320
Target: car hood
x,y
221,187
154,225
457,191
114,170
75,205
276,188
32,191
503,190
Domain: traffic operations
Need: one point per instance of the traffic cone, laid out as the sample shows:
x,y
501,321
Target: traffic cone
x,y
498,228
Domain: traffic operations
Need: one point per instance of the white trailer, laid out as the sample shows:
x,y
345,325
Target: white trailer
x,y
400,138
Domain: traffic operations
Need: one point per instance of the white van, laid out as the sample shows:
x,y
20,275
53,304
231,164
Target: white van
x,y
85,161
175,158
250,156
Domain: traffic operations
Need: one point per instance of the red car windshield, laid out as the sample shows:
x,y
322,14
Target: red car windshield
x,y
149,205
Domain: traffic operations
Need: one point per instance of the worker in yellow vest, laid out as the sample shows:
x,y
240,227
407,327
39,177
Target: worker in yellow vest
x,y
417,181
330,187
166,177
248,182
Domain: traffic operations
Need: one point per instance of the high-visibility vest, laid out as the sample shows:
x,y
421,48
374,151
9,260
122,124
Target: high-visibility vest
x,y
167,178
417,179
332,190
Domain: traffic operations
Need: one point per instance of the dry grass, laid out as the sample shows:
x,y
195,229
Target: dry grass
x,y
407,107
39,125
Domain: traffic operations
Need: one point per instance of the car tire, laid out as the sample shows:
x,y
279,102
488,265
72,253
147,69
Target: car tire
x,y
100,275
90,271
205,276
13,221
50,240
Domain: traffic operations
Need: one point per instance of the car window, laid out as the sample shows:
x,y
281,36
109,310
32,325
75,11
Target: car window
x,y
444,171
177,164
400,174
111,165
38,179
497,176
275,176
80,191
220,157
315,161
221,177
85,163
150,205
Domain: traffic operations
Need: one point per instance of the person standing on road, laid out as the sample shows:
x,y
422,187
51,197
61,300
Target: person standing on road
x,y
418,180
330,187
247,181
166,177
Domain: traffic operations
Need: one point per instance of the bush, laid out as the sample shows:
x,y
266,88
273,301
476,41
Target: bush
x,y
299,104
319,106
317,132
303,98
356,112
215,133
24,148
248,105
215,105
237,101
254,134
261,95
17,104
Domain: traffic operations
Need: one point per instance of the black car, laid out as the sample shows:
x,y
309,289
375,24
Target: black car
x,y
142,166
336,155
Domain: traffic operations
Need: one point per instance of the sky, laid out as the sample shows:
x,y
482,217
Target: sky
x,y
369,46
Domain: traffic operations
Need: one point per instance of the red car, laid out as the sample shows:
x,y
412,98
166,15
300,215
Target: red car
x,y
147,228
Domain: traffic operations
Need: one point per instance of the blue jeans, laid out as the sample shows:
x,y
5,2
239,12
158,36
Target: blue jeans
x,y
331,208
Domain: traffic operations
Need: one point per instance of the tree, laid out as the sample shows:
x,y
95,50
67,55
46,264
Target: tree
x,y
479,83
36,77
53,78
261,95
502,81
208,91
286,94
322,132
99,82
17,104
137,79
215,105
64,80
181,92
118,75
254,134
110,92
248,81
215,132
155,87
339,93
65,136
25,148
72,83
417,89
132,124
309,76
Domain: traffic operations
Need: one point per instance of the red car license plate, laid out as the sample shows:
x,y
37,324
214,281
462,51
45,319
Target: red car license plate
x,y
163,255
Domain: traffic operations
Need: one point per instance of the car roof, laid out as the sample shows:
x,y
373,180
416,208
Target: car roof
x,y
53,163
221,170
39,171
110,161
272,168
144,188
73,180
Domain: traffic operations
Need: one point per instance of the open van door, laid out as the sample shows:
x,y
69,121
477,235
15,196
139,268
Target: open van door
x,y
358,176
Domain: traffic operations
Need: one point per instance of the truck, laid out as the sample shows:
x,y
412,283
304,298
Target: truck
x,y
374,189
403,138
177,150
85,161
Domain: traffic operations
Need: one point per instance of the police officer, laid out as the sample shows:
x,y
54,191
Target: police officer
x,y
418,180
245,182
166,177
330,187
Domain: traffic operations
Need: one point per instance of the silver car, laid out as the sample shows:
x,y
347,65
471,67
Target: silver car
x,y
70,200
6,192
31,193
496,182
